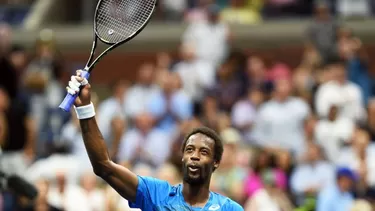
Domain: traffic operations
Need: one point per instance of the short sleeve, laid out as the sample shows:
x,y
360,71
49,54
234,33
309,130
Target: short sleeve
x,y
150,193
232,206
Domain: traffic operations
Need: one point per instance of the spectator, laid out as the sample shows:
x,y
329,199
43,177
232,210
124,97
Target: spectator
x,y
209,38
170,105
19,144
145,144
347,95
67,196
269,197
351,50
228,178
196,75
276,127
333,132
312,175
358,158
93,194
111,116
228,88
138,96
338,196
322,33
262,162
244,111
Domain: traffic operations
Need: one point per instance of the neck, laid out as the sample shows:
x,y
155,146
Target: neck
x,y
196,195
281,99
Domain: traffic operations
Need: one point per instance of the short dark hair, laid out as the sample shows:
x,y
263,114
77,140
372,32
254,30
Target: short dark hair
x,y
218,153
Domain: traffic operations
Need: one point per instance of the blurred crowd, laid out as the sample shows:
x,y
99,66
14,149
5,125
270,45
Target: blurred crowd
x,y
14,11
295,138
255,11
231,11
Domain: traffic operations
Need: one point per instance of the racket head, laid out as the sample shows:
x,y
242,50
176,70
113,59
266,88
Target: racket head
x,y
118,21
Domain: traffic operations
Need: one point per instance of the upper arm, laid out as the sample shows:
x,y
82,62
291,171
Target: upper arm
x,y
122,180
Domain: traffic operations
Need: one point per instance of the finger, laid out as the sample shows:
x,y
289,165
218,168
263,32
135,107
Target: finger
x,y
75,81
70,91
78,72
84,82
74,86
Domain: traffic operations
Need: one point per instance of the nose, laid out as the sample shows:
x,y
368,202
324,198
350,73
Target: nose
x,y
195,156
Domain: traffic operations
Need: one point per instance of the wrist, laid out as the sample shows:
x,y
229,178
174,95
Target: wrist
x,y
85,112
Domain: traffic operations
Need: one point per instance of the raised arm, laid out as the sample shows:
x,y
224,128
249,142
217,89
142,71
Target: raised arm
x,y
120,178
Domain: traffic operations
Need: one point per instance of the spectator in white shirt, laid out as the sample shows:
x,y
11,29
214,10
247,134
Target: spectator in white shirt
x,y
345,94
309,177
170,105
111,116
280,121
209,37
93,193
333,132
196,75
138,96
244,111
360,157
144,143
68,197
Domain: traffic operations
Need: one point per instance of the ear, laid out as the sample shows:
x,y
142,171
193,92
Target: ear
x,y
216,165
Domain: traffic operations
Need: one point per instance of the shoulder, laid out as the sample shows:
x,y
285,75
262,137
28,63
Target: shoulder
x,y
150,192
221,202
354,87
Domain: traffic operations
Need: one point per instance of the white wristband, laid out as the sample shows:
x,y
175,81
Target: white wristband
x,y
85,112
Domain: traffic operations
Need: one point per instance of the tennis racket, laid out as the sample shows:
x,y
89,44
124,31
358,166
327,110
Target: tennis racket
x,y
115,22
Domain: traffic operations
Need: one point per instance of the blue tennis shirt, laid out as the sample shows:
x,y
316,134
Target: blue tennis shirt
x,y
158,195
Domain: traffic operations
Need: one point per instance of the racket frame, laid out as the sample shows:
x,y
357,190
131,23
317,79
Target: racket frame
x,y
69,99
88,66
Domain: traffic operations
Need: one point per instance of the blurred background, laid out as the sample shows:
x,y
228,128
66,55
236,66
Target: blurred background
x,y
288,84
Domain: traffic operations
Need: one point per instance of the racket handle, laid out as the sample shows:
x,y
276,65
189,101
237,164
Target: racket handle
x,y
69,99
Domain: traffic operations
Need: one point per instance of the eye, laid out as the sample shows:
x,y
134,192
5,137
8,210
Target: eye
x,y
189,149
205,152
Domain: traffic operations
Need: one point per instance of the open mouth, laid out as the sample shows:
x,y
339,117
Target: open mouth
x,y
193,168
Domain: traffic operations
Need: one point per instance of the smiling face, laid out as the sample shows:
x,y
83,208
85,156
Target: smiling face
x,y
198,159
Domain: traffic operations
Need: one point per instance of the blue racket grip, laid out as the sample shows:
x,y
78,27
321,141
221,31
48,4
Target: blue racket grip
x,y
69,99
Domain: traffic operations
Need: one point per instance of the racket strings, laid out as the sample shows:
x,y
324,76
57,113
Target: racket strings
x,y
117,20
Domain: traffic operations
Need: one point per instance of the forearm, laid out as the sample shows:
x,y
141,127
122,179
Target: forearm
x,y
95,145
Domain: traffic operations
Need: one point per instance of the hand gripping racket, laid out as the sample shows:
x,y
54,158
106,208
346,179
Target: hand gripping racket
x,y
115,22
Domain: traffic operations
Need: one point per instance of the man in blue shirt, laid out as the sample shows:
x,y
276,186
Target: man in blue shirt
x,y
338,196
202,152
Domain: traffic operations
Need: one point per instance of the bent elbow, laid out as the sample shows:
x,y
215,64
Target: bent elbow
x,y
102,169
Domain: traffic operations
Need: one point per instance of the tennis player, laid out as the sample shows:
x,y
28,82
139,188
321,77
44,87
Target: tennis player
x,y
202,152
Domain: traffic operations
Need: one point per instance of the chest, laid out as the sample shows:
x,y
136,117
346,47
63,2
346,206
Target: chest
x,y
176,203
280,114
